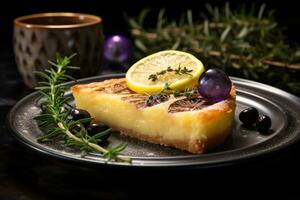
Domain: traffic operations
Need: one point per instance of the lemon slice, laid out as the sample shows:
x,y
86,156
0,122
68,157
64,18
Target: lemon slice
x,y
178,69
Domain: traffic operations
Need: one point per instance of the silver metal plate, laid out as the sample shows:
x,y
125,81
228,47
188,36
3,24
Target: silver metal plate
x,y
282,107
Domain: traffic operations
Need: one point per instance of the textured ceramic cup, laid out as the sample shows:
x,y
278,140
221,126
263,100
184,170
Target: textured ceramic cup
x,y
38,37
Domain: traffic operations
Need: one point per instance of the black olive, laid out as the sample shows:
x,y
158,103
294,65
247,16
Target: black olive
x,y
95,128
263,124
249,116
76,128
77,114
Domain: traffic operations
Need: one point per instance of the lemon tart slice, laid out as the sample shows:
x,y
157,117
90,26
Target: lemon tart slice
x,y
192,124
149,103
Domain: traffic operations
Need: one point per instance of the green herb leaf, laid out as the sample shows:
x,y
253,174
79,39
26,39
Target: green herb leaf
x,y
225,33
55,116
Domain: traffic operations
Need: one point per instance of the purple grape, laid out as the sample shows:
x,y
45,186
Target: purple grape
x,y
117,48
214,85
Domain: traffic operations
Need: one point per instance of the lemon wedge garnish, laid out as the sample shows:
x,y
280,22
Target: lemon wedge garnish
x,y
178,69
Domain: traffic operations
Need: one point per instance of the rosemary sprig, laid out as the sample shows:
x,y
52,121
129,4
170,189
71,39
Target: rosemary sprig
x,y
245,42
178,70
56,111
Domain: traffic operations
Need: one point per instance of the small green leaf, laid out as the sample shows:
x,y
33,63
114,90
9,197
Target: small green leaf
x,y
243,32
272,26
225,33
42,88
235,65
176,45
160,20
216,14
209,8
142,16
297,53
42,75
227,10
206,28
261,11
73,67
139,44
190,21
166,35
133,23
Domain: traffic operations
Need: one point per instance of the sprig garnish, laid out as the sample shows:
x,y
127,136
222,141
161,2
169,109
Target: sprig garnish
x,y
56,110
166,88
160,97
183,70
179,71
187,92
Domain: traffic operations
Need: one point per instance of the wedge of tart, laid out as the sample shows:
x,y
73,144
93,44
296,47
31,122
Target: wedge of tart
x,y
192,124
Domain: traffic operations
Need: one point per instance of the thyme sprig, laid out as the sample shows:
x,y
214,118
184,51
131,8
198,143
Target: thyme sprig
x,y
54,117
179,70
187,92
183,70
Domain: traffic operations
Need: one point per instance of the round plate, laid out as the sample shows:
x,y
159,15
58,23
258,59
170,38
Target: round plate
x,y
282,107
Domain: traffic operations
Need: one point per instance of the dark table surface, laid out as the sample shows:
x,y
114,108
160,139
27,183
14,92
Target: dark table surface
x,y
25,174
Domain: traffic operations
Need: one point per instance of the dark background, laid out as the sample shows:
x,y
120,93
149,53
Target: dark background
x,y
24,174
287,12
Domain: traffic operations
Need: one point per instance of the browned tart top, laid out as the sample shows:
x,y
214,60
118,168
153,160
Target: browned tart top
x,y
179,104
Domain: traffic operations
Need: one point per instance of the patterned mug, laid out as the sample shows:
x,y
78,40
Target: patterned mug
x,y
38,37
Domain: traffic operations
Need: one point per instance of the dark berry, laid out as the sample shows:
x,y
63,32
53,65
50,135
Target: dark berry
x,y
44,108
214,85
76,128
95,128
249,116
77,114
263,124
